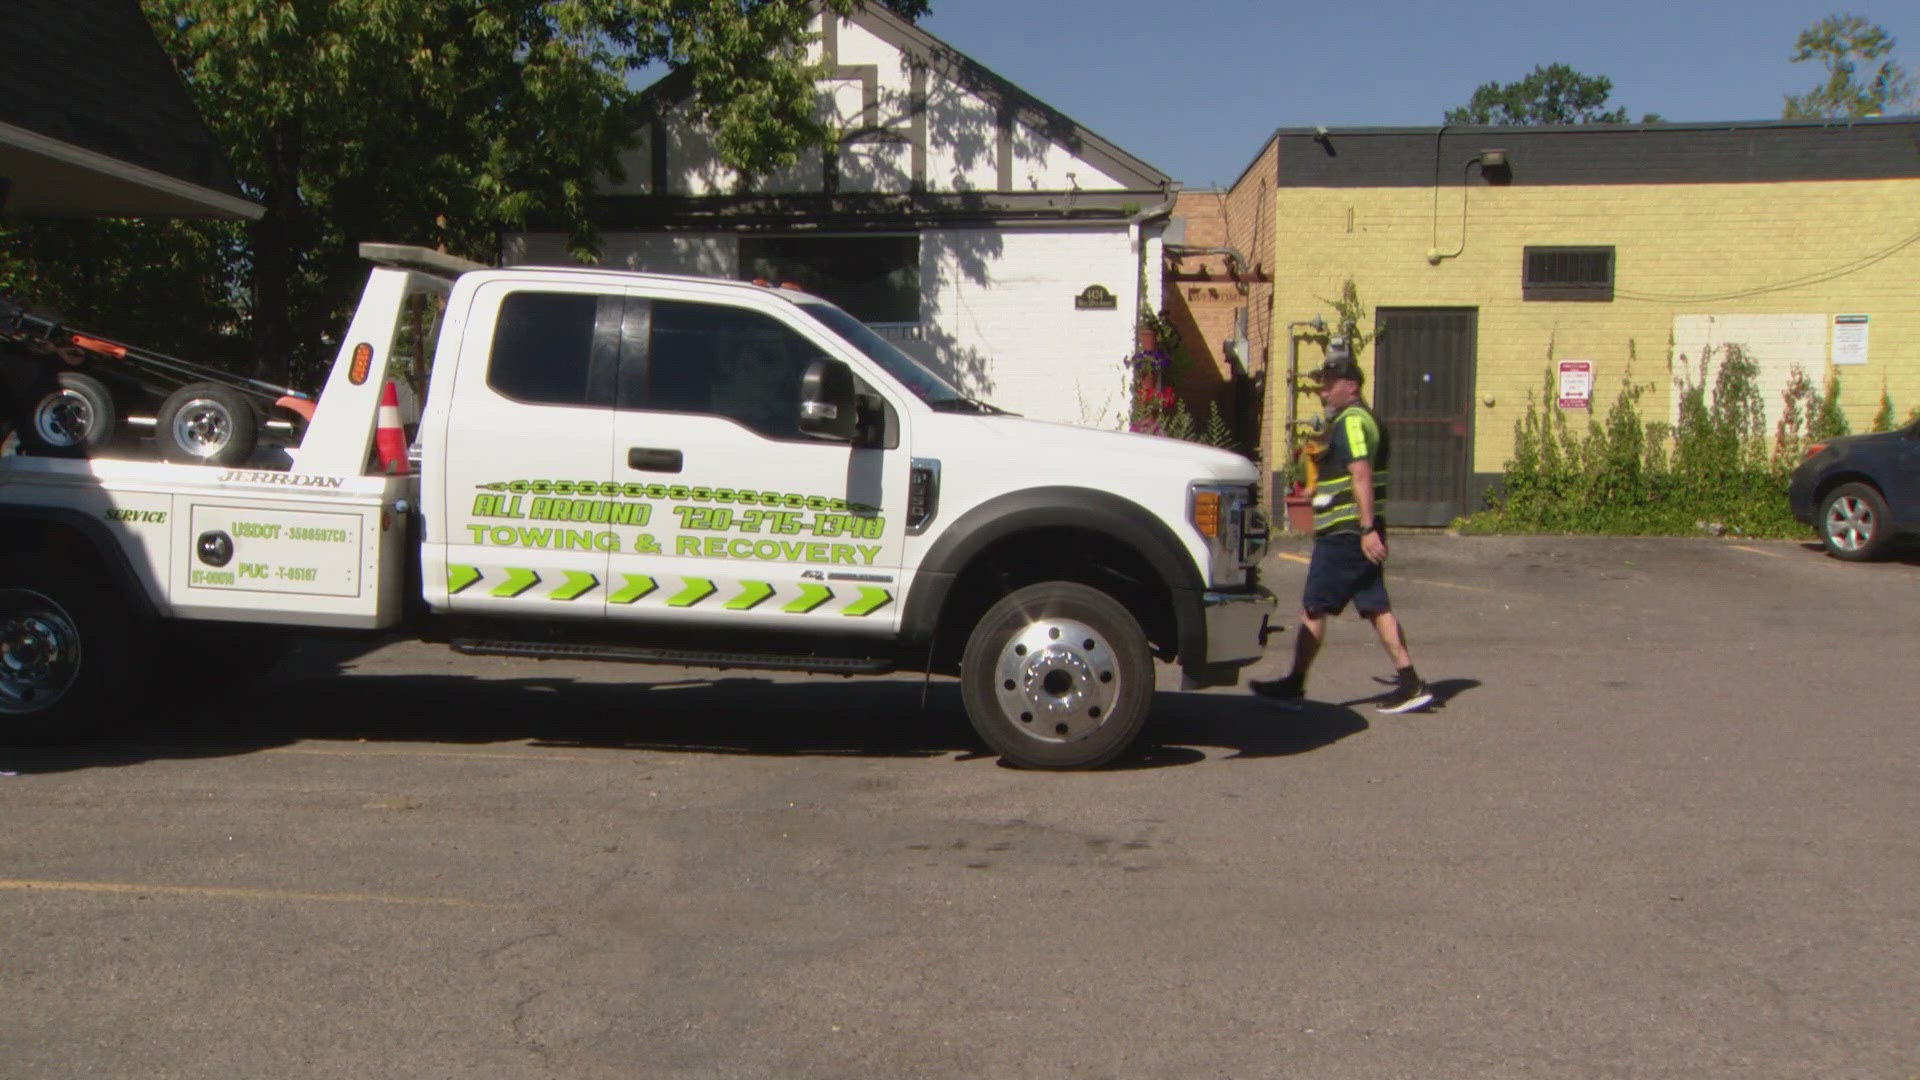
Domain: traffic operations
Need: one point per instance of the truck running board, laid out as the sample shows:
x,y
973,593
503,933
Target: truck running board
x,y
631,654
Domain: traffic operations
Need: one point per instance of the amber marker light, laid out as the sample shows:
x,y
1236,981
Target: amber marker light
x,y
1206,513
362,364
1816,448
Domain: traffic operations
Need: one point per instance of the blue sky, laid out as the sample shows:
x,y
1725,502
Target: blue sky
x,y
1195,88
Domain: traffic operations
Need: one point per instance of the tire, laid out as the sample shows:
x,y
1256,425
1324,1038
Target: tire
x,y
71,415
63,653
205,423
1057,676
1854,523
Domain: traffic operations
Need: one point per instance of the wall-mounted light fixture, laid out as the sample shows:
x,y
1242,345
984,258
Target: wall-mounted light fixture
x,y
1494,168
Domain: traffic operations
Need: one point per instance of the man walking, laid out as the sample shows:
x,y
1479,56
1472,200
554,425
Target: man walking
x,y
1349,541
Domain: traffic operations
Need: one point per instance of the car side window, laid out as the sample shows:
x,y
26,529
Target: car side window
x,y
543,347
723,361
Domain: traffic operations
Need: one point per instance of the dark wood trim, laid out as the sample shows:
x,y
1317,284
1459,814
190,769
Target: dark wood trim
x,y
858,211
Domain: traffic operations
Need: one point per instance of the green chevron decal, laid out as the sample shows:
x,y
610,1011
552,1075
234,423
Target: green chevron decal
x,y
751,593
697,589
811,596
579,583
518,581
871,600
459,577
638,585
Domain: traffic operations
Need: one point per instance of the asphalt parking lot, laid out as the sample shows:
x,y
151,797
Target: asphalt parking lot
x,y
1661,825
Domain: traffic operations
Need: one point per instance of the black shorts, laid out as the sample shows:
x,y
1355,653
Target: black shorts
x,y
1341,573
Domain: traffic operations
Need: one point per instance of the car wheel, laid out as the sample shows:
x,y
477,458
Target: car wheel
x,y
1057,676
206,423
63,652
71,416
1854,523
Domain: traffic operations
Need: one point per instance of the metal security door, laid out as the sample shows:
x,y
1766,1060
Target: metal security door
x,y
1423,393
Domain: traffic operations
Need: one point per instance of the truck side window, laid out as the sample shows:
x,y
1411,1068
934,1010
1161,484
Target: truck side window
x,y
723,361
543,347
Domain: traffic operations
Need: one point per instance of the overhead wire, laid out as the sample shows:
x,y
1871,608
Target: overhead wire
x,y
1816,278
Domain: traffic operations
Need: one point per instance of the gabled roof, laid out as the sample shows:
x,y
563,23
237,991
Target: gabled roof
x,y
95,122
922,47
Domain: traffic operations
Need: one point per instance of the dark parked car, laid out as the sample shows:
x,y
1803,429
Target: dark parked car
x,y
1860,491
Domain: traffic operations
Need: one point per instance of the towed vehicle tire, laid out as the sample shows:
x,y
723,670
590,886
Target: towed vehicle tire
x,y
63,652
1057,675
1854,523
205,423
70,415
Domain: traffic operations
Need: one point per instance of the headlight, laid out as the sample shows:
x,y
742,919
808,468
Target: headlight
x,y
1234,529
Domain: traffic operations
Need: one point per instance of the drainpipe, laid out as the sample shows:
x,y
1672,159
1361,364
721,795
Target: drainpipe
x,y
1137,239
1319,326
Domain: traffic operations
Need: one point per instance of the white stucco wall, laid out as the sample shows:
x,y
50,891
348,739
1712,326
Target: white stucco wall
x,y
997,307
963,140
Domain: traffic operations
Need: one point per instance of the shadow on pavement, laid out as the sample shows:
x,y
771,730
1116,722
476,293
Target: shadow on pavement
x,y
1443,690
727,714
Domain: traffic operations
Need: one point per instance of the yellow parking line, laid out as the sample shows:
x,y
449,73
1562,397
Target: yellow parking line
x,y
1757,551
214,892
1290,558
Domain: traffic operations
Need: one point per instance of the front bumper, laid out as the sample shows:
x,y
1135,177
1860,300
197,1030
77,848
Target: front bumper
x,y
1235,625
1236,635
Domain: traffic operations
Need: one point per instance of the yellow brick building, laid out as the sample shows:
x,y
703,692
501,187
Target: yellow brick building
x,y
1490,256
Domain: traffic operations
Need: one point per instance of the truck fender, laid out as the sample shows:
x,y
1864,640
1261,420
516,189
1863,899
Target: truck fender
x,y
17,523
1051,507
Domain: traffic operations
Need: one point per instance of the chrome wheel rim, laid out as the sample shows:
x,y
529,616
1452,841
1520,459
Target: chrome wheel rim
x,y
39,653
63,419
202,427
1057,679
1850,523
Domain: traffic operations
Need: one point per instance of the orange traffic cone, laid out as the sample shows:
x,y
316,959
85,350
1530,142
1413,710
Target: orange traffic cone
x,y
389,441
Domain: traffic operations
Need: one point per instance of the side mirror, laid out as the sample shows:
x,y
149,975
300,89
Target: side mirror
x,y
827,405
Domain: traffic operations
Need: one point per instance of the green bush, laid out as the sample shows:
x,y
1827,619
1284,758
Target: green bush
x,y
1626,476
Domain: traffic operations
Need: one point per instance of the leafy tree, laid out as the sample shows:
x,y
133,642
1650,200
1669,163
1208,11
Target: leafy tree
x,y
446,122
1842,44
1554,94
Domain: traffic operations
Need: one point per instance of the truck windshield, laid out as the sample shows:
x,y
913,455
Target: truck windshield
x,y
911,373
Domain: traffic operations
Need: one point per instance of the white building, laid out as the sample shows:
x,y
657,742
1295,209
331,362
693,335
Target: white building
x,y
979,228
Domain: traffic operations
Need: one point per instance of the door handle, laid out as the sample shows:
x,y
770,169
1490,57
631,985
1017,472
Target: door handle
x,y
648,459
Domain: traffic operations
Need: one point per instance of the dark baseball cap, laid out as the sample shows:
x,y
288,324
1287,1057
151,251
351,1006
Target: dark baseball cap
x,y
1337,367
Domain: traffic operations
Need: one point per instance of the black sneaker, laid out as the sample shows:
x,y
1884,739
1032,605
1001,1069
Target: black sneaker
x,y
1288,693
1409,695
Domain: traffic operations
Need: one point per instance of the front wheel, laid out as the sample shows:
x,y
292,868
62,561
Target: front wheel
x,y
1057,676
1854,523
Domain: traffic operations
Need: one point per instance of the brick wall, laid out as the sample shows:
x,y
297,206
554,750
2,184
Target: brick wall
x,y
1682,251
1206,295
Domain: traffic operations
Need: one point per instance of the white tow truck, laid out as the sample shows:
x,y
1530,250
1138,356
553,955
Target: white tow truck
x,y
648,468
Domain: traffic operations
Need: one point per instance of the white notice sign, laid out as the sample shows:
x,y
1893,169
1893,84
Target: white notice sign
x,y
1850,339
1576,384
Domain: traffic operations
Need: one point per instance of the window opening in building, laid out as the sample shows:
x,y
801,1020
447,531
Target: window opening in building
x,y
1567,273
875,278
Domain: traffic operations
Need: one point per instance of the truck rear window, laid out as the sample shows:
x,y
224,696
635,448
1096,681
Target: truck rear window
x,y
543,347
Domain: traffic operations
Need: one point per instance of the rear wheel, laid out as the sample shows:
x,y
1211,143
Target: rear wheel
x,y
63,652
72,415
1854,523
1057,676
205,423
